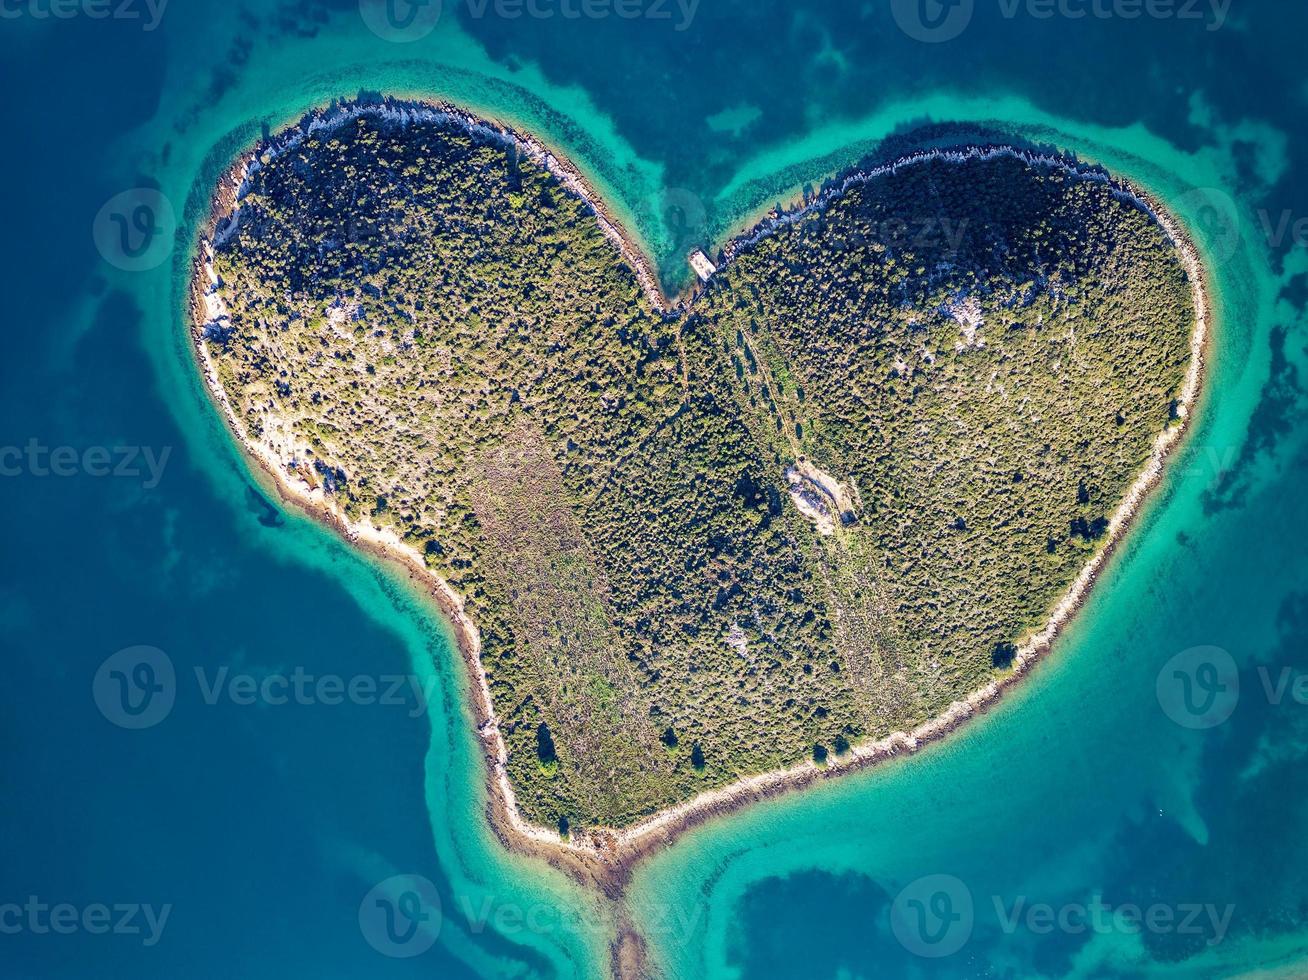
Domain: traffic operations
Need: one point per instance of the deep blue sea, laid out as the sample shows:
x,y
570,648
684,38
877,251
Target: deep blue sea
x,y
230,747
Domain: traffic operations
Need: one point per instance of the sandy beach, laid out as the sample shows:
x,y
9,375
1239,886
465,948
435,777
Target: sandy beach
x,y
603,857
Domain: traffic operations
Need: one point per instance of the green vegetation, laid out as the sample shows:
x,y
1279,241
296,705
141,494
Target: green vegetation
x,y
428,326
985,352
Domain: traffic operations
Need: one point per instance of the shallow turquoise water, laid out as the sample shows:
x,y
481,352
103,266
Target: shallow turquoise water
x,y
264,826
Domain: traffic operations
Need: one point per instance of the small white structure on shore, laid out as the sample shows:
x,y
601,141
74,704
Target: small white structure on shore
x,y
702,266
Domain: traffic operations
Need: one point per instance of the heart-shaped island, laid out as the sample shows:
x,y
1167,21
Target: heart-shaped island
x,y
815,514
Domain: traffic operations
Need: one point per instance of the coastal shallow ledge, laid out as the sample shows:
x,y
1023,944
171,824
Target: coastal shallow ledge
x,y
600,856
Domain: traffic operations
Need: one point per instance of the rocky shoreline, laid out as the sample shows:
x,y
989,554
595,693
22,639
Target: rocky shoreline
x,y
604,857
403,112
